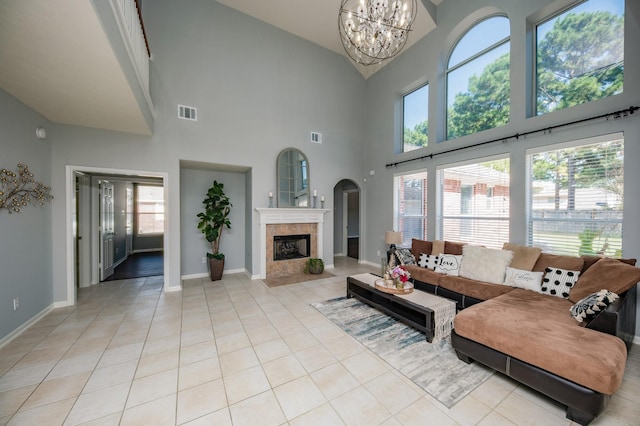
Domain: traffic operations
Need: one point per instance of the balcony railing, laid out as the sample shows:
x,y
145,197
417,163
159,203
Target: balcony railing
x,y
130,20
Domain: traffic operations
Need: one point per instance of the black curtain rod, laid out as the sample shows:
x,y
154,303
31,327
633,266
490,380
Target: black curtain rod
x,y
616,114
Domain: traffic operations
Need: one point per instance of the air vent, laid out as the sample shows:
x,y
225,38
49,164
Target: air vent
x,y
316,137
187,113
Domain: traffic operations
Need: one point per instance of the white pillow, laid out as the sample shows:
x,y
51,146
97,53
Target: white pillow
x,y
428,261
449,264
523,279
485,264
558,282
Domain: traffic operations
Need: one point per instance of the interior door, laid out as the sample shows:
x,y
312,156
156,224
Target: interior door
x,y
106,229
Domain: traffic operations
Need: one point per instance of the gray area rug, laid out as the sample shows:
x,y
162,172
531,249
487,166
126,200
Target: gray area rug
x,y
432,366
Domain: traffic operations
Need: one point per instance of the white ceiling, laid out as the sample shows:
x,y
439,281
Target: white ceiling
x,y
317,21
56,59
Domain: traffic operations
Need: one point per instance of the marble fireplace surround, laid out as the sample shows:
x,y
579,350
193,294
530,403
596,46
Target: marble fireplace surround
x,y
288,221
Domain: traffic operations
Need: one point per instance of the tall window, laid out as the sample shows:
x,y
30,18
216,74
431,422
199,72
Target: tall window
x,y
478,85
576,196
410,208
580,55
415,118
474,202
149,209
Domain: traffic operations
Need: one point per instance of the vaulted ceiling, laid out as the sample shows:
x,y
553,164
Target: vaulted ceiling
x,y
57,59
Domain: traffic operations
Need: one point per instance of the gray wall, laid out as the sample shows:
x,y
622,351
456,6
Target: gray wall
x,y
425,61
193,188
25,251
258,90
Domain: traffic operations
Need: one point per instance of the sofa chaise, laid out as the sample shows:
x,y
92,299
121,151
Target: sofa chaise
x,y
527,331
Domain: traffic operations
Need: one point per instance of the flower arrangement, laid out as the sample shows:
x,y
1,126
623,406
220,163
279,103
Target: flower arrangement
x,y
399,275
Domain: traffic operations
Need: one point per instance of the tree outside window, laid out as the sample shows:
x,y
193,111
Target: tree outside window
x,y
415,111
478,80
576,198
580,55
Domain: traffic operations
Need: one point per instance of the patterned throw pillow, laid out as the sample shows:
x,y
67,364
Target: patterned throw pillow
x,y
449,264
589,307
428,261
523,279
558,282
404,256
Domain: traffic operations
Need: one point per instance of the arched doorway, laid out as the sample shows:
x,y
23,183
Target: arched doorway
x,y
346,237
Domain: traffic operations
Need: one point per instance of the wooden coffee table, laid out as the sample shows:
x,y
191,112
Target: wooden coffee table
x,y
431,314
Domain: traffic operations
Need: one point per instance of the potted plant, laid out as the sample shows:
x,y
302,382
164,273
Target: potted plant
x,y
212,221
314,266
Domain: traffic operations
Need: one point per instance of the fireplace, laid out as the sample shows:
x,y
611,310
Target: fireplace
x,y
287,247
288,221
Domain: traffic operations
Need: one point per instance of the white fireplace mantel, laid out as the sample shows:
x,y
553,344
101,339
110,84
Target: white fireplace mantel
x,y
283,216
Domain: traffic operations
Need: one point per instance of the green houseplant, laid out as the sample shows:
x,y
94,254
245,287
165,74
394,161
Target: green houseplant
x,y
314,266
213,220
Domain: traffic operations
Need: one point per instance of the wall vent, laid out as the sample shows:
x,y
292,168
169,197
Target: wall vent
x,y
316,137
187,113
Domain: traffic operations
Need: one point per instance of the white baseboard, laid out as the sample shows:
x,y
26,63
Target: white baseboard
x,y
329,266
173,289
338,254
194,276
636,340
15,333
366,262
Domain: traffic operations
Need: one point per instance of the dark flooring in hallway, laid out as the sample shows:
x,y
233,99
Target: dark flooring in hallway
x,y
138,265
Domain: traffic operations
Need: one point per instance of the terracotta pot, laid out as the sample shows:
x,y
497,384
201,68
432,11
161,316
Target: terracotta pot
x,y
216,267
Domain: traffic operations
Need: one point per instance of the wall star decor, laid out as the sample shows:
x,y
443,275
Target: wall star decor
x,y
19,189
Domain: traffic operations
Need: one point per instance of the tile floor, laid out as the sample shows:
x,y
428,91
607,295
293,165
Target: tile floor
x,y
236,352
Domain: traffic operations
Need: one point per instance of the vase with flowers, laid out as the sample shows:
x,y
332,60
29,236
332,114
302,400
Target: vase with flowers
x,y
400,276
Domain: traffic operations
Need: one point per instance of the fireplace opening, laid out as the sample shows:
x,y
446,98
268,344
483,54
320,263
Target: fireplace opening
x,y
286,247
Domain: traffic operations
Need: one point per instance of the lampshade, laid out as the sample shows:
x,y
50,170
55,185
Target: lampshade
x,y
392,237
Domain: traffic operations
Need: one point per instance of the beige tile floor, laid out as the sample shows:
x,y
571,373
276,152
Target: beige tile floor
x,y
236,352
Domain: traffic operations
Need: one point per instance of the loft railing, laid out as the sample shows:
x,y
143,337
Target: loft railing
x,y
130,19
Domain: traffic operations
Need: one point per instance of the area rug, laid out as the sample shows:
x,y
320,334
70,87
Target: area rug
x,y
297,278
432,366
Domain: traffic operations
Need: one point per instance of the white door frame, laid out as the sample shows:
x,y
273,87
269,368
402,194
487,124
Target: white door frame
x,y
70,173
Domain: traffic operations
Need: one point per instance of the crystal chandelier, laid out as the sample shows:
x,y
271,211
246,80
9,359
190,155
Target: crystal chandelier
x,y
371,31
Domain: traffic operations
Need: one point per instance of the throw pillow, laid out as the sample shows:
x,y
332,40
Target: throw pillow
x,y
523,257
523,279
437,247
420,246
570,263
589,307
404,256
484,264
609,273
428,261
449,264
558,282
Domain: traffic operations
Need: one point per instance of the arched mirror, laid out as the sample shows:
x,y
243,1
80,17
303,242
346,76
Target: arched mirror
x,y
293,179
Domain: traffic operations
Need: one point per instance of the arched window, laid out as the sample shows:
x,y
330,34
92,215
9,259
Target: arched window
x,y
477,76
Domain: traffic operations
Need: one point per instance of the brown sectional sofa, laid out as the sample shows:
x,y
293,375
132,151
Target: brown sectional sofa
x,y
533,338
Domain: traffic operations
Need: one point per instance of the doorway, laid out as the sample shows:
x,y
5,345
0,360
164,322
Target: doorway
x,y
84,261
347,219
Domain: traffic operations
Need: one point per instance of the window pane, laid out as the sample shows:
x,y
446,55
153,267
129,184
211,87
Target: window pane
x,y
482,36
576,199
415,107
150,209
478,80
475,203
411,206
580,55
